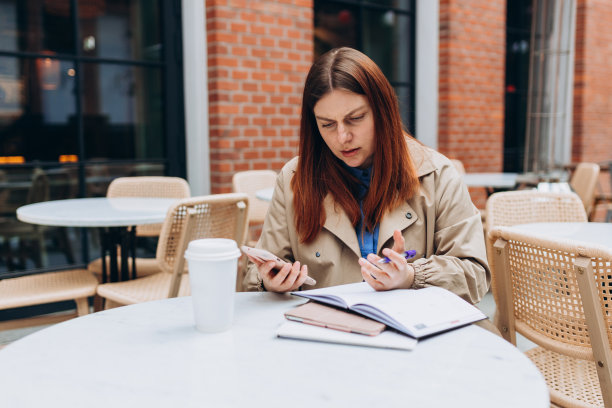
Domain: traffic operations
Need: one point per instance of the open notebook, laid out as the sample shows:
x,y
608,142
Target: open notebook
x,y
415,312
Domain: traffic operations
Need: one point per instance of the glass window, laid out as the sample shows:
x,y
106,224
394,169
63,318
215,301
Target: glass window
x,y
37,108
122,112
384,36
405,5
123,29
35,26
84,86
383,30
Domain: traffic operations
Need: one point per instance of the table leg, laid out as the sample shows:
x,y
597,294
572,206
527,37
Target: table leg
x,y
133,250
103,251
110,239
115,239
125,253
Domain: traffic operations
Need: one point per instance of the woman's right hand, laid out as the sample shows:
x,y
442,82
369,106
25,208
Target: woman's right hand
x,y
290,277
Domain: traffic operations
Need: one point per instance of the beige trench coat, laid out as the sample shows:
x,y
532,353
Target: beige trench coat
x,y
440,222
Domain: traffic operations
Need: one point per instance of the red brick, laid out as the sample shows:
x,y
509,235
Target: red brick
x,y
258,54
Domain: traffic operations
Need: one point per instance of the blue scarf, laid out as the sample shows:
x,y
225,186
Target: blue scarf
x,y
368,241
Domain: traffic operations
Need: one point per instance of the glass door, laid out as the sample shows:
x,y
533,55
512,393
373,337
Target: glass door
x,y
90,90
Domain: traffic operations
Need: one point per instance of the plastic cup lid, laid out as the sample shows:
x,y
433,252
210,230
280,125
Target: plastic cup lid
x,y
212,249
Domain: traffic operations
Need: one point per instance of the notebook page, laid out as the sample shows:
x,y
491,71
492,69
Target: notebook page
x,y
421,311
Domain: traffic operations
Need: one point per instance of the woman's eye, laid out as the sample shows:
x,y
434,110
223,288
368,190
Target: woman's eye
x,y
327,125
356,118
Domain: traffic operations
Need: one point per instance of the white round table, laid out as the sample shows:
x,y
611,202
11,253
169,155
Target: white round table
x,y
150,355
96,212
265,194
112,215
491,181
592,232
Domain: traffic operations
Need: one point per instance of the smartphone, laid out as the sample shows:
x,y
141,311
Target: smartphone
x,y
265,256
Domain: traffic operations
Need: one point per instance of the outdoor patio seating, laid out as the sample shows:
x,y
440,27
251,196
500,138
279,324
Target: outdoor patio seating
x,y
526,206
212,216
556,294
157,187
249,182
30,238
584,181
39,289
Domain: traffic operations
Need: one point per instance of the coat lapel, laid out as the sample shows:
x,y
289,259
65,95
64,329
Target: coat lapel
x,y
337,222
399,218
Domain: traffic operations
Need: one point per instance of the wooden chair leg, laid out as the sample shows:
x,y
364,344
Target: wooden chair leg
x,y
98,303
111,304
82,305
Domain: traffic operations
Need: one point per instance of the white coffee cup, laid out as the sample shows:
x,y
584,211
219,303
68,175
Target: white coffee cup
x,y
212,274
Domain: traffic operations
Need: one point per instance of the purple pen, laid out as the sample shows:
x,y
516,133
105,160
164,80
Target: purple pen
x,y
407,254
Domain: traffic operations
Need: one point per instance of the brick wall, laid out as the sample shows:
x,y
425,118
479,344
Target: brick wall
x,y
471,84
592,116
259,52
592,131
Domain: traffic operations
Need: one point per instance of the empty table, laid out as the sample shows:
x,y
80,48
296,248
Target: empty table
x,y
599,233
112,216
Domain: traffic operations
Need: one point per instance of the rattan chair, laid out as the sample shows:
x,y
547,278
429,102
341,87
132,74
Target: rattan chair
x,y
509,208
39,289
249,182
584,181
31,239
556,293
212,216
157,187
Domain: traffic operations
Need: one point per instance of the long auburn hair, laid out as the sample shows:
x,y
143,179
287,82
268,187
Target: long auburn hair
x,y
319,172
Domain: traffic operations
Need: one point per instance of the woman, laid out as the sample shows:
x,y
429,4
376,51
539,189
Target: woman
x,y
360,187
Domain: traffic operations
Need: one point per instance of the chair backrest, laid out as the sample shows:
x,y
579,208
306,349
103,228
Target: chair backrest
x,y
458,165
249,182
509,208
157,187
211,216
556,293
584,182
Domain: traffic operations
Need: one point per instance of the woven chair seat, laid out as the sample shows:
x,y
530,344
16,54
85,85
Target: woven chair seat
x,y
46,288
158,187
211,216
144,267
152,287
567,376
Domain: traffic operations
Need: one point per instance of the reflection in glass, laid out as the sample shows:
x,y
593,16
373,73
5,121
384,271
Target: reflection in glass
x,y
122,112
37,108
384,35
123,29
335,26
26,246
35,26
405,106
403,5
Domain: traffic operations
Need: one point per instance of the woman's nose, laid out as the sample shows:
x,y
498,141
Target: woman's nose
x,y
343,134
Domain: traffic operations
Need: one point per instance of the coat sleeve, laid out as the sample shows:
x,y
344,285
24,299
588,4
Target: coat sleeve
x,y
275,233
459,262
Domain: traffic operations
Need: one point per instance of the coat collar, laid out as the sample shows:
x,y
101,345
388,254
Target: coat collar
x,y
401,217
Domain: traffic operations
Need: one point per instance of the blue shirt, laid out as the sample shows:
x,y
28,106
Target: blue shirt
x,y
368,241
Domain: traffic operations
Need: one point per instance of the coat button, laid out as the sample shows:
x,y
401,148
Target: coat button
x,y
317,254
408,215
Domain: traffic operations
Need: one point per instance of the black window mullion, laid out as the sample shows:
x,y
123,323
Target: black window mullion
x,y
78,97
174,117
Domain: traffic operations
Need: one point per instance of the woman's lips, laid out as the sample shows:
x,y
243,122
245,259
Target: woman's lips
x,y
349,153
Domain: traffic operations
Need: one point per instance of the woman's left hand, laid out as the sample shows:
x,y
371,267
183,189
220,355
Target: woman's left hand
x,y
397,274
